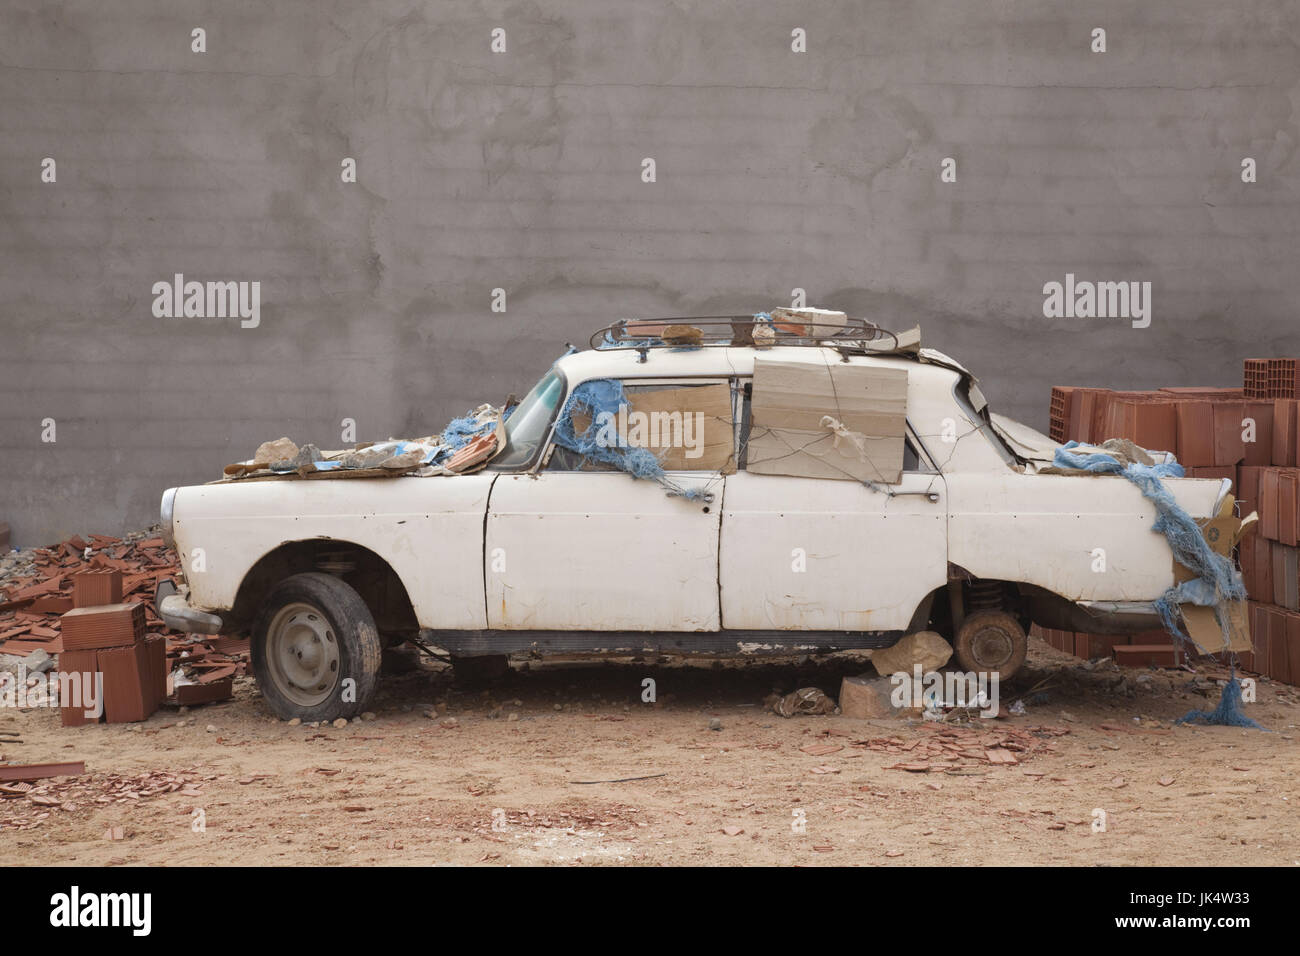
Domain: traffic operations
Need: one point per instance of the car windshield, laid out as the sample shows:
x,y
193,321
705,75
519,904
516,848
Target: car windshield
x,y
526,426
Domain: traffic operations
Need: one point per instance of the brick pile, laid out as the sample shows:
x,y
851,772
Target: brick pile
x,y
1204,428
90,602
1270,566
1201,426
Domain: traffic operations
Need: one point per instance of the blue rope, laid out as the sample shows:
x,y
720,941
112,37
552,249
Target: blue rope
x,y
1228,713
1216,581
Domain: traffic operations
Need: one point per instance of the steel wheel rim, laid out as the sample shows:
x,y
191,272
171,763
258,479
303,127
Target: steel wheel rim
x,y
302,653
992,647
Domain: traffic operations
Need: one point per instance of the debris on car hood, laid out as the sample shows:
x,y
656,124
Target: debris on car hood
x,y
1083,459
466,444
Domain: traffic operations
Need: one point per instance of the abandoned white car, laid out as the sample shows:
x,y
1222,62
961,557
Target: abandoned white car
x,y
791,482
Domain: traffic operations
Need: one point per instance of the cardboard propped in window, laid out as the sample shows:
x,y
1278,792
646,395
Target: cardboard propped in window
x,y
813,419
688,428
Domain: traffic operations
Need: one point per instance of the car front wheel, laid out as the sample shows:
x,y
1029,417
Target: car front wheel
x,y
991,642
315,649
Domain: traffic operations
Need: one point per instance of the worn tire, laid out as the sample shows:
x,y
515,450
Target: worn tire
x,y
991,641
313,632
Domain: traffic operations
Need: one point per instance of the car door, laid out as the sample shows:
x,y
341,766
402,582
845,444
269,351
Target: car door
x,y
819,554
576,545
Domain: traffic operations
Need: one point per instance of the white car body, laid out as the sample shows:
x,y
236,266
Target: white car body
x,y
507,560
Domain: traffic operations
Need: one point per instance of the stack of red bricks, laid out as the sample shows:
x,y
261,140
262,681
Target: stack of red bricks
x,y
1269,557
1203,427
102,635
1247,435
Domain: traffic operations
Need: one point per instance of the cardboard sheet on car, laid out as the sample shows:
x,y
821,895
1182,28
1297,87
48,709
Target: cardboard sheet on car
x,y
811,419
1222,533
688,428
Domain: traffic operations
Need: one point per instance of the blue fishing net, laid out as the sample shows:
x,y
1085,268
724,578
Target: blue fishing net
x,y
461,431
1217,581
1227,714
600,400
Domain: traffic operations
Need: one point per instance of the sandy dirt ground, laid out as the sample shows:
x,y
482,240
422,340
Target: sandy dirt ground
x,y
230,784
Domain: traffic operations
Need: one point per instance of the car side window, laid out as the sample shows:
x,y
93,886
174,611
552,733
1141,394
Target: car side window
x,y
687,425
743,393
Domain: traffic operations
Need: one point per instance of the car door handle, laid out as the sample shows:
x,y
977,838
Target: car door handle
x,y
707,497
931,496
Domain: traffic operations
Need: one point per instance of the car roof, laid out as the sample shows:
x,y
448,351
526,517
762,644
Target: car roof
x,y
624,363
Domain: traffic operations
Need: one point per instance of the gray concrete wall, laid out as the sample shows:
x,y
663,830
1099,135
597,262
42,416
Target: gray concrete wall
x,y
521,170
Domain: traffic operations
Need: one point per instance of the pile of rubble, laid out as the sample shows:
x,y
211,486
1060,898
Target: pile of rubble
x,y
39,586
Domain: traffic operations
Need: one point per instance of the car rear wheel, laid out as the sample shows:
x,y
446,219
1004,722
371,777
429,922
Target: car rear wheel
x,y
316,652
991,642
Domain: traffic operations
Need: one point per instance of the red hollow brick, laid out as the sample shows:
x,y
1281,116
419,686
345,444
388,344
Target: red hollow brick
x,y
1262,551
114,625
129,694
97,587
1284,432
1268,484
1288,496
1229,449
1195,422
1247,487
1259,451
1255,378
85,664
1278,663
1292,649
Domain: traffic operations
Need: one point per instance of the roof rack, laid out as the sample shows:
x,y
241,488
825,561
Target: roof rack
x,y
855,336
